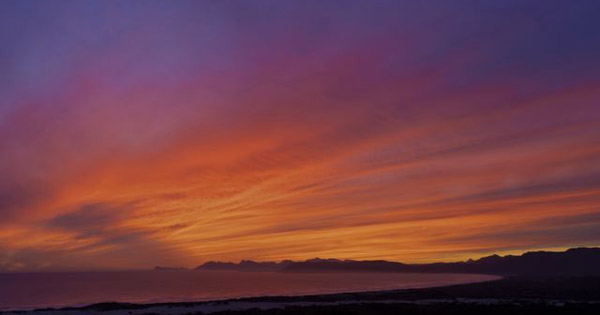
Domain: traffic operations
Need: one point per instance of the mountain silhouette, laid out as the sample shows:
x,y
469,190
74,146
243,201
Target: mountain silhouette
x,y
245,265
575,261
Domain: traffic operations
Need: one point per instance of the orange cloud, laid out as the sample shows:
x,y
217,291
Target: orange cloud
x,y
382,139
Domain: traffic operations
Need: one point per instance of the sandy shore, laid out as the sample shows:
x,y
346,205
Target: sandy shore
x,y
523,294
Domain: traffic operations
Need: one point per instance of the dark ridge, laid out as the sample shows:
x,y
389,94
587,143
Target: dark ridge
x,y
244,265
573,262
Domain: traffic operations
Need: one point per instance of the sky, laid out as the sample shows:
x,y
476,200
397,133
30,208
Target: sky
x,y
143,133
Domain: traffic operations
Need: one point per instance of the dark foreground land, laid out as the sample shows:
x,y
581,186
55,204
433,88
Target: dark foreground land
x,y
512,295
404,308
519,295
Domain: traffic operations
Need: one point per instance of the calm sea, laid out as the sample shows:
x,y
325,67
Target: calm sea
x,y
36,290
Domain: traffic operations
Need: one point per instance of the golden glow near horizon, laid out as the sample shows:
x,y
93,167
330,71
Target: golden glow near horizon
x,y
351,138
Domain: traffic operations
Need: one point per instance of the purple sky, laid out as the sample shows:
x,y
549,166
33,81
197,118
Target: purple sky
x,y
137,133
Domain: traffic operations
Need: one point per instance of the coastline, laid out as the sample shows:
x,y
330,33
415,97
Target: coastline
x,y
150,287
555,293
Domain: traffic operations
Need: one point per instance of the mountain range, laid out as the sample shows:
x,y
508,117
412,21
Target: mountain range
x,y
575,261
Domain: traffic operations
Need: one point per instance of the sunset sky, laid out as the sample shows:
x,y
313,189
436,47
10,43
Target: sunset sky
x,y
143,133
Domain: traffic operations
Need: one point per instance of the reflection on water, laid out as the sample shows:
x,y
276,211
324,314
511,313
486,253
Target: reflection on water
x,y
33,290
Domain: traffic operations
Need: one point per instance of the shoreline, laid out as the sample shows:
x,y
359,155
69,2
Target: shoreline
x,y
555,292
298,293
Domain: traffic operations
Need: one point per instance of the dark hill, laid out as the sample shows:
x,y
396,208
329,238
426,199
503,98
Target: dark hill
x,y
573,262
244,265
576,261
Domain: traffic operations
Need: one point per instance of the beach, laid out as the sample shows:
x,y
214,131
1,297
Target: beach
x,y
518,295
27,291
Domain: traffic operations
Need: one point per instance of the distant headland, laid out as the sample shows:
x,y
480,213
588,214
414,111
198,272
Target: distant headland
x,y
575,261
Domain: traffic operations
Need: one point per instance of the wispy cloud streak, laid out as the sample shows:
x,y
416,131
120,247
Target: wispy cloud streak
x,y
143,133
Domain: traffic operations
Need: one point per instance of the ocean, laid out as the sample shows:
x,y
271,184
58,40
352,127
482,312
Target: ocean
x,y
41,290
